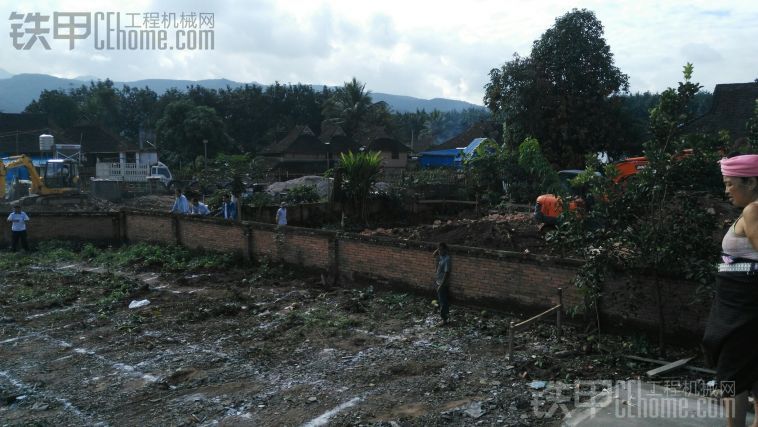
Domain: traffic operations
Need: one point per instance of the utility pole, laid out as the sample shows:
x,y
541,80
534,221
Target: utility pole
x,y
205,146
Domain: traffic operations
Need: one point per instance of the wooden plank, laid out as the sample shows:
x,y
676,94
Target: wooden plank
x,y
669,367
663,362
537,317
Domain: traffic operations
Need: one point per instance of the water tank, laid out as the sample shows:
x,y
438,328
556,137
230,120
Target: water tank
x,y
46,142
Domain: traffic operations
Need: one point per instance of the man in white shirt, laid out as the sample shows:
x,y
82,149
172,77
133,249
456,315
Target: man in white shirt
x,y
18,220
281,214
181,205
199,208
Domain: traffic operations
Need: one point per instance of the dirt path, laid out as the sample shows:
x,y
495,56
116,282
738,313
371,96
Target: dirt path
x,y
238,348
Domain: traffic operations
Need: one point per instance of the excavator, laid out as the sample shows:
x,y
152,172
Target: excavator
x,y
549,207
56,183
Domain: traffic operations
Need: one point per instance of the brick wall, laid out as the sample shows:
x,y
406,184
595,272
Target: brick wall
x,y
149,227
485,277
217,235
99,227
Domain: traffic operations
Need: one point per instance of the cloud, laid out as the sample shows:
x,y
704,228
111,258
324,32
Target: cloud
x,y
422,49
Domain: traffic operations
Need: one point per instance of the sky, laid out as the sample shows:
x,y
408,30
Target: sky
x,y
426,49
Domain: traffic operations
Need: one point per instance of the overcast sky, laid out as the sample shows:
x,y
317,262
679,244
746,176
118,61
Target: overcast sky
x,y
425,49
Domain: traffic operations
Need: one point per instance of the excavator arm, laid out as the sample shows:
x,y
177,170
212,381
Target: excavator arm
x,y
19,161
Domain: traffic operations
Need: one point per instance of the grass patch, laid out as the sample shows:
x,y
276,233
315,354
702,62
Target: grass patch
x,y
146,256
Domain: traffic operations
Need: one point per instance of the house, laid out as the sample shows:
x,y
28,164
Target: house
x,y
733,104
302,153
394,155
451,157
484,129
19,134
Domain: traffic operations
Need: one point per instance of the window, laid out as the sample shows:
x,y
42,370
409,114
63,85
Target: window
x,y
395,154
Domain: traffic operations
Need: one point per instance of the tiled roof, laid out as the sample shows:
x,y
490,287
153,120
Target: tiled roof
x,y
301,134
733,105
484,129
95,139
387,144
29,128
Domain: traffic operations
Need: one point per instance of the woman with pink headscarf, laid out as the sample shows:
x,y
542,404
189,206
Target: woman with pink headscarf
x,y
731,336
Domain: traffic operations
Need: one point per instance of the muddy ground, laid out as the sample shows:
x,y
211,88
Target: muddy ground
x,y
516,231
269,346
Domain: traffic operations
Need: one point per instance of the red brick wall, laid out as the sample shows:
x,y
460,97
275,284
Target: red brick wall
x,y
302,249
150,228
264,244
633,300
53,226
212,234
478,275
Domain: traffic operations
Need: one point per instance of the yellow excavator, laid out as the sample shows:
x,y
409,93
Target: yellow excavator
x,y
57,177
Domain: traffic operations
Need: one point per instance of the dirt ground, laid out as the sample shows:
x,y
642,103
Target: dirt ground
x,y
516,231
269,346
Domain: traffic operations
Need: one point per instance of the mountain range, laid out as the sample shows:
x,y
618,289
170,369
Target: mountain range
x,y
17,91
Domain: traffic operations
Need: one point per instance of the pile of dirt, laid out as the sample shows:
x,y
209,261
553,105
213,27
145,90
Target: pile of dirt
x,y
513,232
153,202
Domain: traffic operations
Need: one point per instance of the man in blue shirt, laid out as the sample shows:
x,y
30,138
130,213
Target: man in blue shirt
x,y
199,208
228,209
181,205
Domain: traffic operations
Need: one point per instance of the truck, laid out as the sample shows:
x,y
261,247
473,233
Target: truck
x,y
57,178
135,172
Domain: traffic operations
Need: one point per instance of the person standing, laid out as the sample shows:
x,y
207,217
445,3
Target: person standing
x,y
18,220
199,208
442,280
281,214
181,205
729,342
228,209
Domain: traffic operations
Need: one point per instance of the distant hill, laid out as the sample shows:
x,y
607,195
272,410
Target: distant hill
x,y
16,92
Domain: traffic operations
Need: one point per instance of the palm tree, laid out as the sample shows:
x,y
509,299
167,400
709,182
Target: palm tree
x,y
348,106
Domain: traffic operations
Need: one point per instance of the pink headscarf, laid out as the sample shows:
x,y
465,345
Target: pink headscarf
x,y
745,165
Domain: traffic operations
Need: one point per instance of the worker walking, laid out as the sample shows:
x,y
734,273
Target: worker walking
x,y
181,205
442,280
18,220
281,214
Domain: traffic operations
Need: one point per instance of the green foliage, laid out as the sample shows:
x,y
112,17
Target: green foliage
x,y
167,258
565,94
752,129
657,223
361,170
349,106
303,194
183,128
485,167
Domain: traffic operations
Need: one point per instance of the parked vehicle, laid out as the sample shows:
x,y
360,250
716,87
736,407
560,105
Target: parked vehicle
x,y
135,172
56,178
548,207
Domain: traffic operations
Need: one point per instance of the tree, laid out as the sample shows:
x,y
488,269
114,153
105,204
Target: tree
x,y
659,224
360,172
566,94
183,128
348,106
60,107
